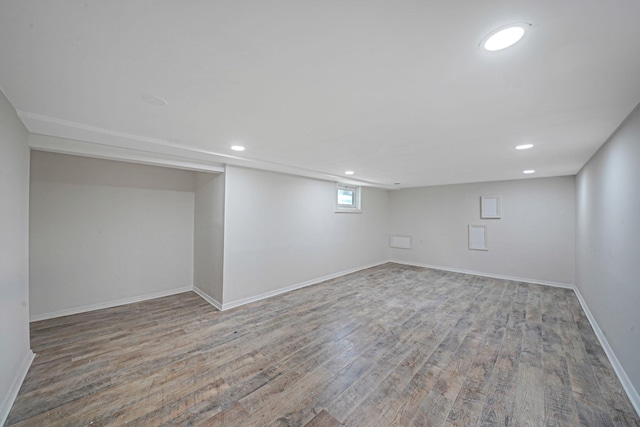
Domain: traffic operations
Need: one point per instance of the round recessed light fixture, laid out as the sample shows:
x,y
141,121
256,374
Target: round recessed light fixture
x,y
529,171
505,36
349,172
237,148
154,100
524,146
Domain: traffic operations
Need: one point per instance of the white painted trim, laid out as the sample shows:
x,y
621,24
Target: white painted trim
x,y
243,301
98,151
491,275
108,304
214,302
631,391
53,126
12,393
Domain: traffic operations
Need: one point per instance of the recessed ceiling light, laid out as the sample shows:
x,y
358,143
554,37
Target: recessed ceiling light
x,y
237,148
528,171
524,146
503,37
349,172
154,100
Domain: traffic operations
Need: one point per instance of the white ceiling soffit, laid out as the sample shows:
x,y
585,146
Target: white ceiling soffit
x,y
399,92
110,152
61,137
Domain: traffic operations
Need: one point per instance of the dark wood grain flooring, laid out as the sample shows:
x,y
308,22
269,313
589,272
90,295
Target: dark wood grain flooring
x,y
388,346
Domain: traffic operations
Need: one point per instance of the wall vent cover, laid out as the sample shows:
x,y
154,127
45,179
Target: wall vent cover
x,y
401,242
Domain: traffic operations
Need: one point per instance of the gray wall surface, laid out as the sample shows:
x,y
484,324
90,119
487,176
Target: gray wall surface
x,y
608,242
281,230
208,255
14,252
534,239
103,231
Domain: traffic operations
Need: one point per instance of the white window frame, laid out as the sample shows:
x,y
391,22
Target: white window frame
x,y
356,206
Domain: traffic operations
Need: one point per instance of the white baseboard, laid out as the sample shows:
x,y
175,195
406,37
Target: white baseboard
x,y
108,304
12,393
631,391
491,275
237,303
207,297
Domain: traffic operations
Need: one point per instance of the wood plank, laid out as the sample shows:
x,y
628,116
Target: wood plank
x,y
529,407
326,392
444,340
472,329
384,404
501,389
559,404
467,407
586,392
323,419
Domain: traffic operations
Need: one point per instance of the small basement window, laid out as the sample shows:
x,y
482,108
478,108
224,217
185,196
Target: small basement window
x,y
347,198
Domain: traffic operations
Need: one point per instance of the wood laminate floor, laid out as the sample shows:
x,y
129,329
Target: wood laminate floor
x,y
391,345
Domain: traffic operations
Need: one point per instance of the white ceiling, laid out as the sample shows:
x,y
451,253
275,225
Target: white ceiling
x,y
398,91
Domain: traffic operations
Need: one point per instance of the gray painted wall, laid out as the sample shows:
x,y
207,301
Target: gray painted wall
x,y
533,240
14,253
208,261
608,242
281,230
103,231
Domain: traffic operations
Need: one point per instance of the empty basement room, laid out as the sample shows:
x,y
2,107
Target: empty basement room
x,y
319,214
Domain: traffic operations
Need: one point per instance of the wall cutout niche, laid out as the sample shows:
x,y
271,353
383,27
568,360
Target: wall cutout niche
x,y
490,207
